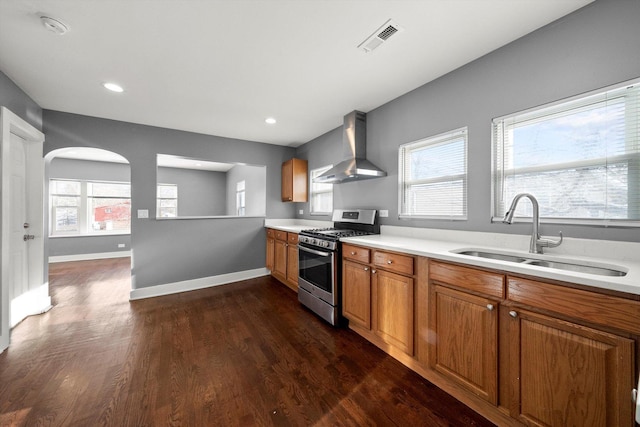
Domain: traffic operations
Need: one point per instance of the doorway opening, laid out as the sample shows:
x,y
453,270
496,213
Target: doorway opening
x,y
88,215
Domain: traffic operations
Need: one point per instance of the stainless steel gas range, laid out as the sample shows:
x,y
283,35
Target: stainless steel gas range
x,y
319,260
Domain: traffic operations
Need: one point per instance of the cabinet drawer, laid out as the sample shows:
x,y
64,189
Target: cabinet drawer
x,y
356,253
393,262
271,233
579,304
292,238
281,235
468,278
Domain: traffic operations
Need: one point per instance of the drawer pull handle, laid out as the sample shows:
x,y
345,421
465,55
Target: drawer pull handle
x,y
353,253
490,307
373,272
389,262
513,314
366,269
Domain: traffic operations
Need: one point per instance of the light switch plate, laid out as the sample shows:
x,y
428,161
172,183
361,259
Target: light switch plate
x,y
143,213
121,245
384,213
301,212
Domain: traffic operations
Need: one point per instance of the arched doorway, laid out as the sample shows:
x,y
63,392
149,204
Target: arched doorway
x,y
88,214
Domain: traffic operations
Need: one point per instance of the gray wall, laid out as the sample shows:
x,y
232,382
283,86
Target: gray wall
x,y
170,251
200,193
592,48
255,196
16,100
88,170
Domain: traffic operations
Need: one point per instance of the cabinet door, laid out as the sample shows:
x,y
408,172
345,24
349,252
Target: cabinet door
x,y
280,259
564,374
356,293
287,181
465,342
292,266
270,253
393,309
294,181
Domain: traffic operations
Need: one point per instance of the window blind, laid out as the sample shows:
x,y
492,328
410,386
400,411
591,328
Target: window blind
x,y
321,193
433,177
579,157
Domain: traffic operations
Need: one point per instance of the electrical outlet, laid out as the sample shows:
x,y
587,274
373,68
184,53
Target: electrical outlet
x,y
143,213
121,245
301,212
384,213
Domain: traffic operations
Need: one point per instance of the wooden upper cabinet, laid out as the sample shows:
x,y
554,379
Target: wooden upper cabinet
x,y
565,374
295,181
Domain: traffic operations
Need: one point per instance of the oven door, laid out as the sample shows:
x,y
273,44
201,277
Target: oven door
x,y
317,272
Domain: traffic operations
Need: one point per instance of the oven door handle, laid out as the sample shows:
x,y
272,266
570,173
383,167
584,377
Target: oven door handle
x,y
313,251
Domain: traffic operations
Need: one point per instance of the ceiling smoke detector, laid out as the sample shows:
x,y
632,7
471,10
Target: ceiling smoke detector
x,y
54,25
380,36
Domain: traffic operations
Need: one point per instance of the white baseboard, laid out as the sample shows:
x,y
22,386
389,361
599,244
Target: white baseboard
x,y
192,285
85,257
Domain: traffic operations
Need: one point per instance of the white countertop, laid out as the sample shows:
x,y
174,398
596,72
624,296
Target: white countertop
x,y
295,225
442,250
439,244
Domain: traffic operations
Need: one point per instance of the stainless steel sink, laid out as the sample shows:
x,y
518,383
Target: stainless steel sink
x,y
602,270
494,255
580,268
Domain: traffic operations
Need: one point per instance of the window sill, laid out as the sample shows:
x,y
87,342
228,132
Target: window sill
x,y
62,236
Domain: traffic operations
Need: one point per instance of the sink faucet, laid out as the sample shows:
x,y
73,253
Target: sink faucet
x,y
537,242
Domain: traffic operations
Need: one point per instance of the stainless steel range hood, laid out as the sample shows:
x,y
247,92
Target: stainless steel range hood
x,y
355,166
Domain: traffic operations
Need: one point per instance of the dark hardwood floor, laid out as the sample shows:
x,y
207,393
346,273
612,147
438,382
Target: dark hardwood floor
x,y
237,355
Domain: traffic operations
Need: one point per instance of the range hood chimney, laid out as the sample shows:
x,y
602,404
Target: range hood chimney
x,y
355,166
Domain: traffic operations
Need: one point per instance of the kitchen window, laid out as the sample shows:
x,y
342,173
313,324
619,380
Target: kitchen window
x,y
433,177
321,196
89,207
579,157
167,201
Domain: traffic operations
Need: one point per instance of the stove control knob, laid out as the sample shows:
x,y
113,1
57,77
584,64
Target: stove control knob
x,y
325,244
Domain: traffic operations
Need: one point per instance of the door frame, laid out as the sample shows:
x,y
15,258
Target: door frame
x,y
38,294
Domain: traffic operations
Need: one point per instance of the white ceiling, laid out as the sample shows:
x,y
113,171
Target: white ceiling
x,y
221,67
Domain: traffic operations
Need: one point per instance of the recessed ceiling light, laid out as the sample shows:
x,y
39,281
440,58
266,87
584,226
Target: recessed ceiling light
x,y
270,121
54,25
113,87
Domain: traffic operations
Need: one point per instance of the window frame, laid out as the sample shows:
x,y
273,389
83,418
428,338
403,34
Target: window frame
x,y
312,174
585,101
435,140
159,199
241,198
84,226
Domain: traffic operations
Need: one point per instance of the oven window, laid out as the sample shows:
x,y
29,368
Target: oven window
x,y
316,269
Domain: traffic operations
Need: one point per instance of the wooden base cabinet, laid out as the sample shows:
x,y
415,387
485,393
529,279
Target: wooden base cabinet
x,y
392,309
465,340
271,241
356,293
282,257
377,300
292,261
565,374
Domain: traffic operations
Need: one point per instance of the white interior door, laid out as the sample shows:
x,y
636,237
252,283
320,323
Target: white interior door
x,y
19,237
24,290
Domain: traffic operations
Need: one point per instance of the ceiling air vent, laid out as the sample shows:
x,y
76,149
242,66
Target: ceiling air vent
x,y
380,36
